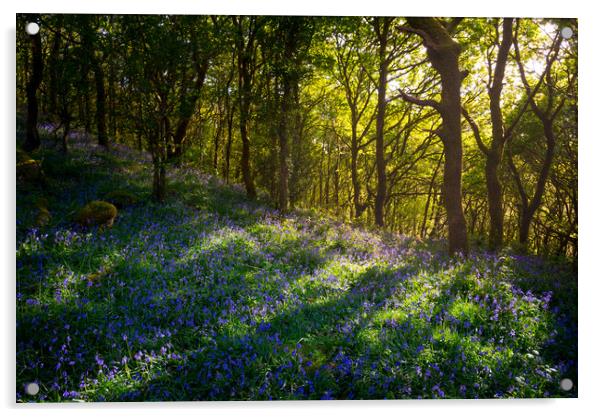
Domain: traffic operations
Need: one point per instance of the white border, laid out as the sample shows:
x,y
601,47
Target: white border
x,y
590,151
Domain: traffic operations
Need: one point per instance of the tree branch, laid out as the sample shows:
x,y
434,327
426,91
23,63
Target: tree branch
x,y
475,131
415,100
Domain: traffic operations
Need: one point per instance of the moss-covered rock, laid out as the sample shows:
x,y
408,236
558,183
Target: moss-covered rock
x,y
22,156
42,203
43,217
97,213
29,170
121,198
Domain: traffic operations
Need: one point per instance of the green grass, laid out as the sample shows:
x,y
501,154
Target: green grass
x,y
213,297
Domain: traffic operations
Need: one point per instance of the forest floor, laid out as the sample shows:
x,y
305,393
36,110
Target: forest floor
x,y
213,297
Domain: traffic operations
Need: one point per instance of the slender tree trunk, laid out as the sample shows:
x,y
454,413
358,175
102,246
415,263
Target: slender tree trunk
x,y
494,201
187,110
297,155
358,206
336,182
66,129
159,183
495,154
283,155
283,170
246,55
547,117
53,71
228,145
381,168
32,138
245,163
321,180
530,209
428,200
216,141
327,179
86,106
100,104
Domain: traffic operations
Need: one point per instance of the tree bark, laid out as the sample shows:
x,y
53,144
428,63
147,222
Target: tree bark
x,y
383,71
358,206
443,53
32,138
283,155
100,104
246,54
188,106
53,60
499,138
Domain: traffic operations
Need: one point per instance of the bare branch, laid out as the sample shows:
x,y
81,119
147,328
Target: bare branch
x,y
475,131
415,100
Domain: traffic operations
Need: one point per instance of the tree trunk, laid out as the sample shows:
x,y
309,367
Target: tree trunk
x,y
494,201
428,200
381,169
499,138
283,147
245,161
530,210
443,53
32,138
100,104
245,164
359,207
228,145
187,107
216,140
159,183
53,60
66,128
547,117
297,153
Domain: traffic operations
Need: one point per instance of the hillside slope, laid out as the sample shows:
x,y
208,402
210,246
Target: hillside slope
x,y
210,296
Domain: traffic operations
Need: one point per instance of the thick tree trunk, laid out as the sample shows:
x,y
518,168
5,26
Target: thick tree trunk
x,y
32,138
443,53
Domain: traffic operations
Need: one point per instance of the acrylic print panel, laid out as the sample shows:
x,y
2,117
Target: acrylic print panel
x,y
291,208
